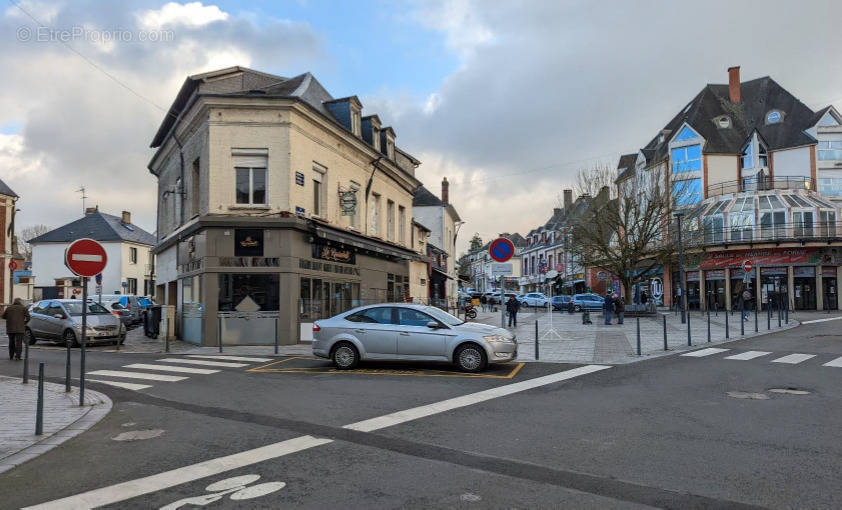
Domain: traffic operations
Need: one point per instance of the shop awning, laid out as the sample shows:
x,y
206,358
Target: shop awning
x,y
439,271
360,242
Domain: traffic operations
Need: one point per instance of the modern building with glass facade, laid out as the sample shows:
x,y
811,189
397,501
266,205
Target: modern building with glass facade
x,y
756,176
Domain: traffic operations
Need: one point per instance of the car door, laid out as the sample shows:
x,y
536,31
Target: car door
x,y
376,330
416,340
54,327
37,322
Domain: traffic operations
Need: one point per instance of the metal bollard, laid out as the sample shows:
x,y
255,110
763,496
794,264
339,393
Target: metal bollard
x,y
689,341
39,412
708,327
756,313
786,312
768,316
666,347
25,360
743,320
536,340
67,371
638,336
166,343
219,333
779,313
727,331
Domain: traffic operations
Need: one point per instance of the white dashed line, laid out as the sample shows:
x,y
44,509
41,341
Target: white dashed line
x,y
743,356
834,363
822,320
124,385
202,362
138,375
169,368
232,358
705,352
793,359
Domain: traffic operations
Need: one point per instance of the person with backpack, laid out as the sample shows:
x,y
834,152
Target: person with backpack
x,y
620,308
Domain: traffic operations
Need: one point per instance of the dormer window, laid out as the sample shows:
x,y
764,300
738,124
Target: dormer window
x,y
723,122
356,123
774,117
375,138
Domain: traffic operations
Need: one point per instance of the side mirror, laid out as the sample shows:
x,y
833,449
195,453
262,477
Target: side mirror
x,y
433,325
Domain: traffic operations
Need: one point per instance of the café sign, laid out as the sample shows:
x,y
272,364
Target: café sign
x,y
334,254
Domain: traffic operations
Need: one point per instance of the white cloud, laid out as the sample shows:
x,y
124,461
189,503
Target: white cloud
x,y
459,20
193,14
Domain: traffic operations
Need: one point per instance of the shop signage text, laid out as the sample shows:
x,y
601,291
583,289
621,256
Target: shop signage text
x,y
334,254
720,260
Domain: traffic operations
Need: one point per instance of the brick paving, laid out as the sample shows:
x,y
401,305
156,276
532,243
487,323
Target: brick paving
x,y
63,417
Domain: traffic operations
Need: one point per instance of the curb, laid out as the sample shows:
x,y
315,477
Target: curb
x,y
98,405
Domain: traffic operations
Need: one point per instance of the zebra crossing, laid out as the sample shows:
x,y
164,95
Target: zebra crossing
x,y
788,359
138,376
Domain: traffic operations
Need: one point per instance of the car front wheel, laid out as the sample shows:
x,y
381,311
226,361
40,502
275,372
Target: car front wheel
x,y
69,338
345,356
470,358
29,337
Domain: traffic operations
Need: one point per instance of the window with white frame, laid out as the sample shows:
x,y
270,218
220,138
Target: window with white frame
x,y
402,224
354,219
250,179
133,255
830,150
319,191
741,219
772,217
390,220
374,215
356,122
827,223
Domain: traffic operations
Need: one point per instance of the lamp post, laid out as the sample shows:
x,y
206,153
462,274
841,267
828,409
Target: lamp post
x,y
681,284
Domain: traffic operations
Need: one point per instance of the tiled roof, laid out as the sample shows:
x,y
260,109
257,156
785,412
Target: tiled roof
x,y
6,190
424,197
625,166
99,227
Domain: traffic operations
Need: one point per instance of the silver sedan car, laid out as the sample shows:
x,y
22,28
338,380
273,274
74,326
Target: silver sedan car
x,y
412,333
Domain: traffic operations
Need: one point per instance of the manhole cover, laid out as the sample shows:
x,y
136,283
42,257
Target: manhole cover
x,y
470,497
789,391
748,395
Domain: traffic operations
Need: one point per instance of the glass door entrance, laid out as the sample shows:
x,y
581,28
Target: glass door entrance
x,y
805,288
829,293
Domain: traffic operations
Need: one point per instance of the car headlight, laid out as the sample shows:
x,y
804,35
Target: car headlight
x,y
78,326
497,339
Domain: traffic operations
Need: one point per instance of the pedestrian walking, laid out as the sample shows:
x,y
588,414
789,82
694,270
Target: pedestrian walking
x,y
608,307
512,307
643,297
620,308
746,301
16,316
484,301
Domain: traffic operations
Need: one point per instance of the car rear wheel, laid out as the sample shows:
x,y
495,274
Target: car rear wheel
x,y
69,338
470,358
29,337
345,356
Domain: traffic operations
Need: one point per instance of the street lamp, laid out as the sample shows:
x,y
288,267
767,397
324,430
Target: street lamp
x,y
682,287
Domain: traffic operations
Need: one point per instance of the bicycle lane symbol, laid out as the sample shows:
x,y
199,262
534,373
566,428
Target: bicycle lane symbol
x,y
236,487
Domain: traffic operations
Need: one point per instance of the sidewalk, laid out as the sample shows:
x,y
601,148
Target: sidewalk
x,y
565,339
63,418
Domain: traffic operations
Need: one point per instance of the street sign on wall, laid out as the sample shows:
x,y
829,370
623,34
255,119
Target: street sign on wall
x,y
85,257
501,269
501,249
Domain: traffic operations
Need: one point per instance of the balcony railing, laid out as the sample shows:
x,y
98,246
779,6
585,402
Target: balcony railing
x,y
761,184
777,232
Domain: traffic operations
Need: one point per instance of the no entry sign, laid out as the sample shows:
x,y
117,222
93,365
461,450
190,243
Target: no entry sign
x,y
501,249
85,257
747,265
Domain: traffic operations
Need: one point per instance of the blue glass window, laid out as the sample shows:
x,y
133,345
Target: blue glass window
x,y
686,134
687,159
748,156
773,117
687,192
830,186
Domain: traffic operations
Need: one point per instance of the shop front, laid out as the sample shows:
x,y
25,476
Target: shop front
x,y
715,289
804,288
773,286
829,288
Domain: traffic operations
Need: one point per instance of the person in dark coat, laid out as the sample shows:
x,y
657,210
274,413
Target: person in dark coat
x,y
608,307
620,308
512,307
16,316
484,301
643,297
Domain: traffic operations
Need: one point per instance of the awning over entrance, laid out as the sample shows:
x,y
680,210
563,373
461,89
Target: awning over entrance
x,y
360,242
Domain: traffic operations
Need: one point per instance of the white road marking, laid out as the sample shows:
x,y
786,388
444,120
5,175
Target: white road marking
x,y
138,375
793,359
134,488
705,352
835,363
86,257
154,483
203,362
743,356
167,368
822,320
466,400
124,385
232,358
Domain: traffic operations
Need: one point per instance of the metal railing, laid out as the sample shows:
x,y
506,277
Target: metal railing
x,y
761,184
777,232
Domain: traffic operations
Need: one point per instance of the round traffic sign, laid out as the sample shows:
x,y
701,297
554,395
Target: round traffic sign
x,y
501,249
747,265
13,265
85,257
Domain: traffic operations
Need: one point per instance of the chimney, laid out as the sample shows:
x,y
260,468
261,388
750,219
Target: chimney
x,y
127,218
734,84
568,198
445,191
91,210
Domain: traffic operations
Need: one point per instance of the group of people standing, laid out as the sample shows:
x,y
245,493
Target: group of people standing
x,y
613,305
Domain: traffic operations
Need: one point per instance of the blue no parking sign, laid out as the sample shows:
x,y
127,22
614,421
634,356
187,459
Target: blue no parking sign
x,y
501,249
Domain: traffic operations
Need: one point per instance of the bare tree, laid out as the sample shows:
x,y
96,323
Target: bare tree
x,y
626,236
27,234
590,181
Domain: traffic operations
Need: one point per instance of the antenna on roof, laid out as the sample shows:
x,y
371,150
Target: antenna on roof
x,y
84,196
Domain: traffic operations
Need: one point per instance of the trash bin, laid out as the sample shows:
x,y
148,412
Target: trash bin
x,y
152,321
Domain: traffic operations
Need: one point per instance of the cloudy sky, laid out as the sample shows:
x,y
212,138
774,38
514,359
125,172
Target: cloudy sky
x,y
506,99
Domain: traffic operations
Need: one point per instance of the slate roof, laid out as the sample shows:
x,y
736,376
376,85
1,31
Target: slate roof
x,y
6,190
758,97
625,166
100,227
424,197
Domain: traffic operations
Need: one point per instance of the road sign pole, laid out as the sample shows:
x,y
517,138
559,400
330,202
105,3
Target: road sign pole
x,y
84,338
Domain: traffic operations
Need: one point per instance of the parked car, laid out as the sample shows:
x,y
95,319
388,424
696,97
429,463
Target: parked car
x,y
560,302
535,299
130,302
118,311
411,333
60,320
587,301
145,303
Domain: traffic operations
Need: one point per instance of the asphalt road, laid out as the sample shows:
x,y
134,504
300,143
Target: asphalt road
x,y
674,432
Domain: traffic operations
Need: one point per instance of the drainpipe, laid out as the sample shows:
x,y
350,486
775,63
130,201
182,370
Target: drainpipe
x,y
368,188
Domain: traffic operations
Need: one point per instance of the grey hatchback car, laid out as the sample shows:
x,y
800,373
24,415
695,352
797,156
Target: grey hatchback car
x,y
410,332
60,320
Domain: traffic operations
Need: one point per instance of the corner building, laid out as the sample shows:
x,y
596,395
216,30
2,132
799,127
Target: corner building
x,y
756,174
277,205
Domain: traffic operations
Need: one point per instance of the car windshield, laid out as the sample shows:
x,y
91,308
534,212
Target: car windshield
x,y
75,308
443,316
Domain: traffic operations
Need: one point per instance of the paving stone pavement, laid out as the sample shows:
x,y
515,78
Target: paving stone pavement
x,y
63,418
